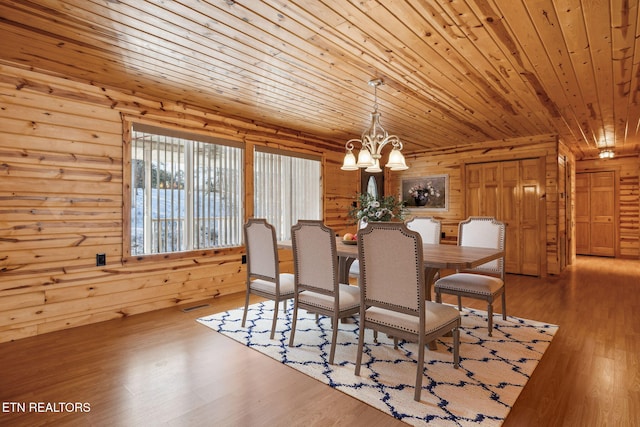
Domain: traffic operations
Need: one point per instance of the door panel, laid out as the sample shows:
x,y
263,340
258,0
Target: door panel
x,y
473,189
510,214
583,240
530,248
492,177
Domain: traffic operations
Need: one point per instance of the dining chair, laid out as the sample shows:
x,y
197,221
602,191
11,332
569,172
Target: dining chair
x,y
486,281
263,268
317,288
430,230
392,293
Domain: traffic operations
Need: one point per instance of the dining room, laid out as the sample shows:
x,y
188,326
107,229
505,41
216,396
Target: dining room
x,y
138,138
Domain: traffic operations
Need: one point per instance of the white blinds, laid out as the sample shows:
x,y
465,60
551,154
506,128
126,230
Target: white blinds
x,y
286,188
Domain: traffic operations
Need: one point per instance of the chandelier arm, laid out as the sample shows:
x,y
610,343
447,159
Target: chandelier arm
x,y
395,142
368,143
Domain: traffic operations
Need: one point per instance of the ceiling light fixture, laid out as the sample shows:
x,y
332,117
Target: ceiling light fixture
x,y
606,153
372,142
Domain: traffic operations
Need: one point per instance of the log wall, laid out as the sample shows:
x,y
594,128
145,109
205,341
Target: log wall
x,y
61,202
61,198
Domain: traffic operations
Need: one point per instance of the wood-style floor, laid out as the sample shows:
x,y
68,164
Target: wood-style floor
x,y
163,368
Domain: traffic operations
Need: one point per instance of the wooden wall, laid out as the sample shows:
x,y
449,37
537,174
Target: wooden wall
x,y
61,198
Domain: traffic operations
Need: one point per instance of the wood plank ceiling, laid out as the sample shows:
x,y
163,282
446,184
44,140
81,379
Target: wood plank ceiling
x,y
455,71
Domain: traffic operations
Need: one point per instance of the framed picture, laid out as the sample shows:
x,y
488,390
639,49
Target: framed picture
x,y
429,192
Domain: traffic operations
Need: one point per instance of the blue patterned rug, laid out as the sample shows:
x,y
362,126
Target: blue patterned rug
x,y
492,372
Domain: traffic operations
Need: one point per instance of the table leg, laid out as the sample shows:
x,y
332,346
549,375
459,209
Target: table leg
x,y
430,275
344,263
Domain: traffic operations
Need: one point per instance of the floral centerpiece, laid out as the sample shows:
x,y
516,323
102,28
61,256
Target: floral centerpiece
x,y
378,209
421,193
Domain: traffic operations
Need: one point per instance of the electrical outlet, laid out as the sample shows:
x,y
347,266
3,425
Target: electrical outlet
x,y
244,259
101,259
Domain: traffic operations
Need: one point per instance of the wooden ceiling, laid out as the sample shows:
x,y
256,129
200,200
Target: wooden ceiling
x,y
455,71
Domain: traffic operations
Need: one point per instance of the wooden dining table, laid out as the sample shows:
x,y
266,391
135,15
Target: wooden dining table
x,y
435,258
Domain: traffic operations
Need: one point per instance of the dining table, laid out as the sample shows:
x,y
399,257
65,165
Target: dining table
x,y
435,258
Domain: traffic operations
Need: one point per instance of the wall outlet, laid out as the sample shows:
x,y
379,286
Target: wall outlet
x,y
244,259
101,259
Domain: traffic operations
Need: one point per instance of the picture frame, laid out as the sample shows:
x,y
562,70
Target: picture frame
x,y
436,184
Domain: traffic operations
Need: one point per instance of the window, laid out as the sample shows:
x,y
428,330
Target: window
x,y
287,187
186,191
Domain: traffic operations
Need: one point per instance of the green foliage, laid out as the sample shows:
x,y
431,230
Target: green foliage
x,y
378,209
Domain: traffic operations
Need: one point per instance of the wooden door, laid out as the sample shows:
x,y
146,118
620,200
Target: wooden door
x,y
595,213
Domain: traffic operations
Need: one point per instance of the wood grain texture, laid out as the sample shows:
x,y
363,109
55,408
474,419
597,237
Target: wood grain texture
x,y
164,368
454,71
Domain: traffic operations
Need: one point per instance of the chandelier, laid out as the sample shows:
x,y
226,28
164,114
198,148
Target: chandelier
x,y
372,142
606,153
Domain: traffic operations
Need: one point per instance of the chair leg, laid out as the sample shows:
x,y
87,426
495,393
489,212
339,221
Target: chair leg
x,y
375,336
274,322
490,318
504,305
395,343
459,303
246,307
360,345
456,347
334,338
293,323
419,369
438,296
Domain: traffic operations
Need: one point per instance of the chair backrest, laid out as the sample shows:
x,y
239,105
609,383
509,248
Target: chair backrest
x,y
315,258
428,227
391,272
484,232
262,250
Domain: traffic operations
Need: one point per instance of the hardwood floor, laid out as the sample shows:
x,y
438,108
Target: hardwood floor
x,y
163,368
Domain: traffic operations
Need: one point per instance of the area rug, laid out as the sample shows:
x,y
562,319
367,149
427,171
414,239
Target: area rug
x,y
492,372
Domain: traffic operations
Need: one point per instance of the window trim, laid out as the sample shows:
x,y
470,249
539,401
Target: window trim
x,y
128,123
